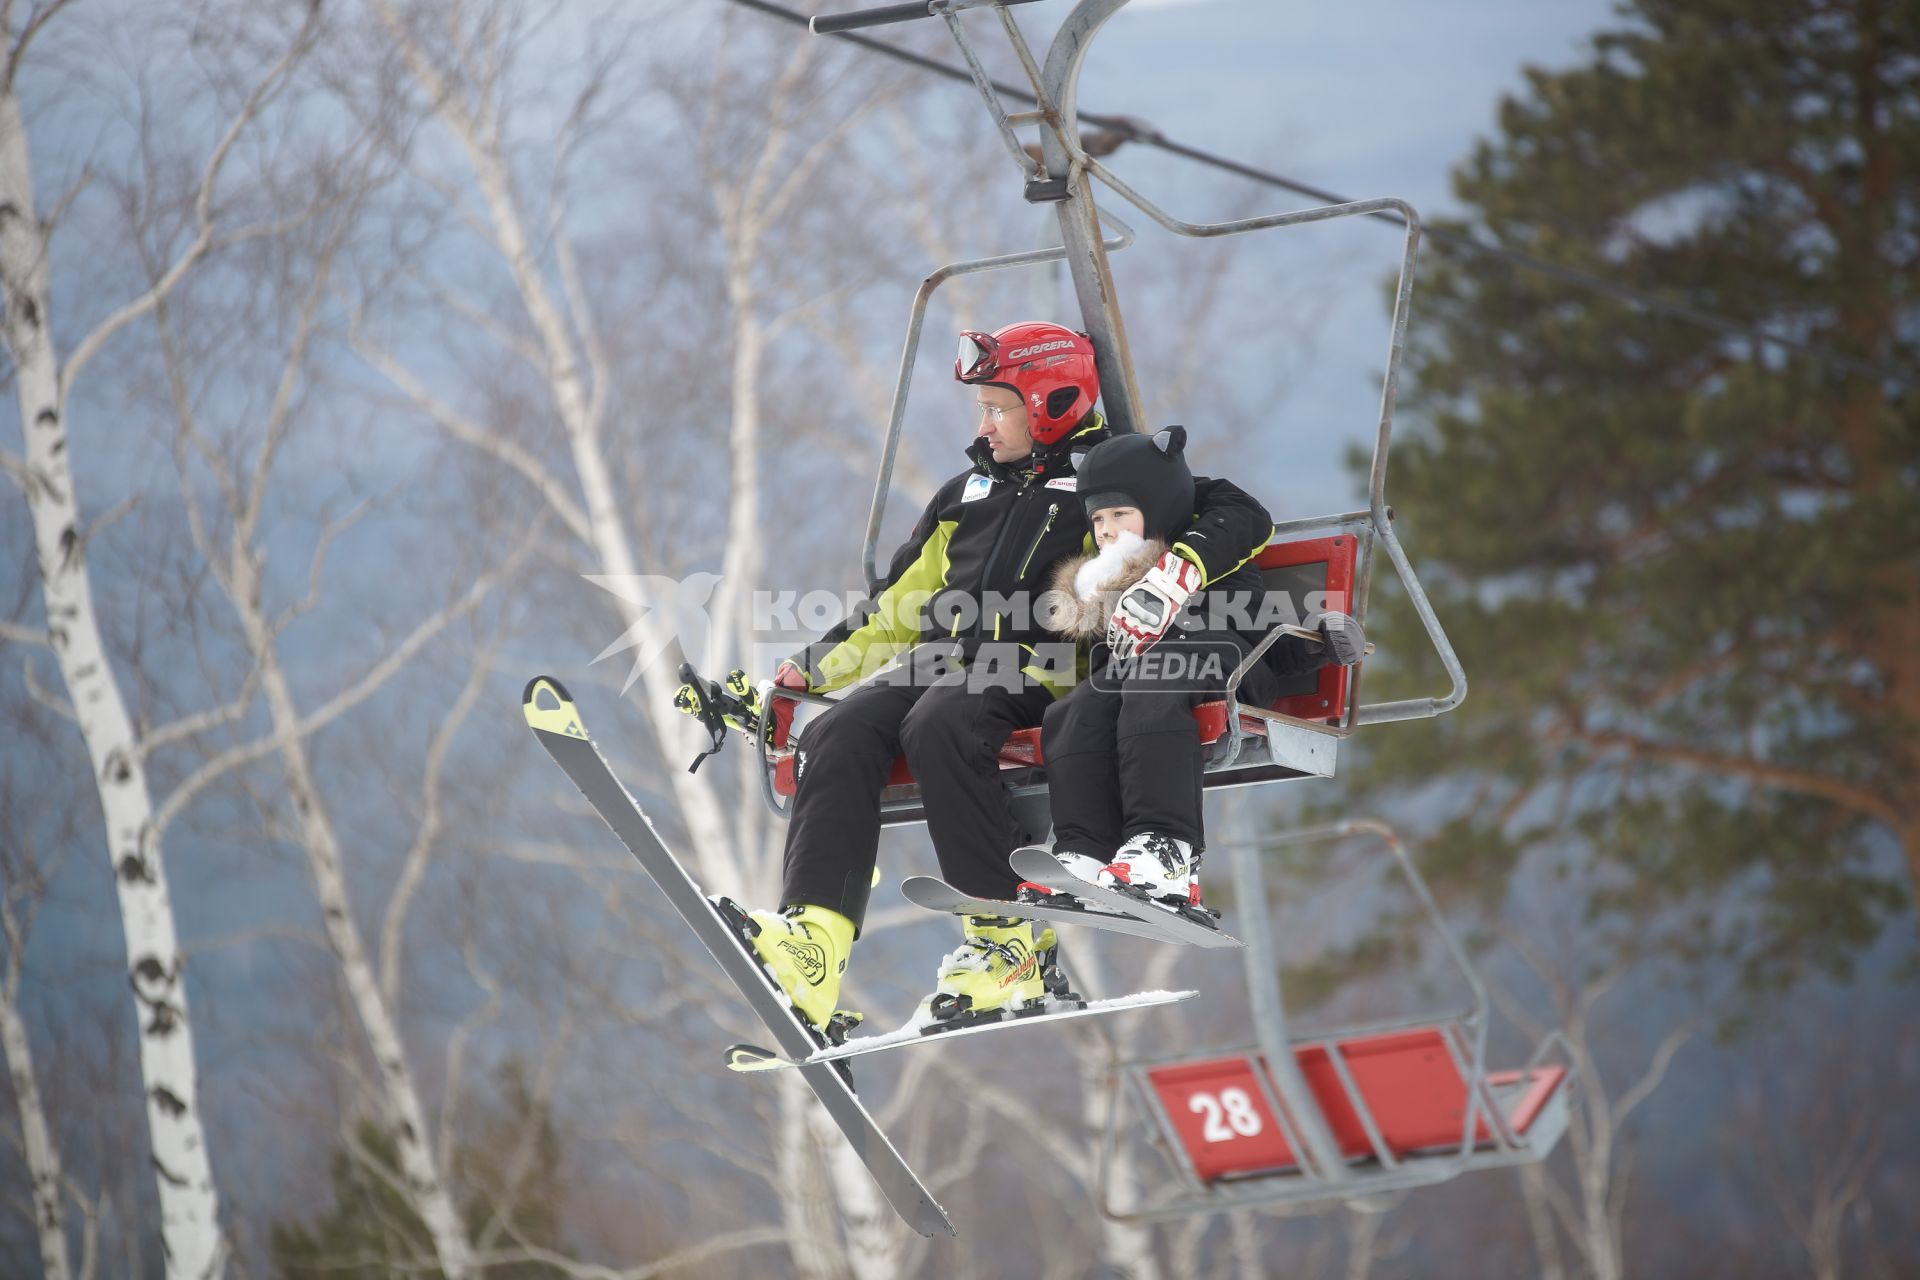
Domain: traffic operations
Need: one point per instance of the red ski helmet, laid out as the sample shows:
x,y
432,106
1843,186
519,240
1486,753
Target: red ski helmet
x,y
1049,367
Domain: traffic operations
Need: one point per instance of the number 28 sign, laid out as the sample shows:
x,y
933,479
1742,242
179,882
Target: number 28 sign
x,y
1221,1117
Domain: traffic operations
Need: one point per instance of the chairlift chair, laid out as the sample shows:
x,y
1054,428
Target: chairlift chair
x,y
1346,1115
1298,735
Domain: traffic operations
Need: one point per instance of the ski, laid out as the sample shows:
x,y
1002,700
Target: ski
x,y
747,1057
551,715
1061,908
1193,925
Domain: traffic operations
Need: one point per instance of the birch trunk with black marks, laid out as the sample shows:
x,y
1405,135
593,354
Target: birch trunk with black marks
x,y
399,1092
43,1156
189,1206
572,364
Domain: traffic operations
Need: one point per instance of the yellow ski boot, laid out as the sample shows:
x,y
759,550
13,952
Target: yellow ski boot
x,y
999,968
805,949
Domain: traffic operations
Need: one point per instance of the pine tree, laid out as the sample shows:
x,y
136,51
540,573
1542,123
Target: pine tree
x,y
512,1171
1682,568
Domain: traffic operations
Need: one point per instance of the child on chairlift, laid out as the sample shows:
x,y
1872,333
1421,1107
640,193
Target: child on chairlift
x,y
1172,605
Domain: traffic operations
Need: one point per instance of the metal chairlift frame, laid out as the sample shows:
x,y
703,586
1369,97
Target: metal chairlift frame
x,y
1299,747
1323,1175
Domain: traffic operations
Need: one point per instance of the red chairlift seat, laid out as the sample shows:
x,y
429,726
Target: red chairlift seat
x,y
1312,573
1408,1084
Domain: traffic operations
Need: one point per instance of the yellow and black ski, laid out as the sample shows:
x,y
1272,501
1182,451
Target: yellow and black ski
x,y
556,722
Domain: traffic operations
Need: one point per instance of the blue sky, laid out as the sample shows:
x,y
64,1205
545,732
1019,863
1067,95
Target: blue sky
x,y
1365,99
1374,98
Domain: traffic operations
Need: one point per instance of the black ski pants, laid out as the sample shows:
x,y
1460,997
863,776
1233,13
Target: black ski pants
x,y
951,734
1123,754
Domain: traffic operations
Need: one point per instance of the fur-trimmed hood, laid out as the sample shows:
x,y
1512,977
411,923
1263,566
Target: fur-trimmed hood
x,y
1083,615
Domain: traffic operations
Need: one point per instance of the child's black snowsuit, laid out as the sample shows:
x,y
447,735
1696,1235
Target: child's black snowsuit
x,y
1122,751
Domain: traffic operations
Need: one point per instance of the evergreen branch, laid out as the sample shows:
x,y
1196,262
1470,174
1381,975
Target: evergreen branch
x,y
520,1164
1800,781
457,1041
1692,674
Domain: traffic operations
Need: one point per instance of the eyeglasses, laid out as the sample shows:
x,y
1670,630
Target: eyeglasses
x,y
998,412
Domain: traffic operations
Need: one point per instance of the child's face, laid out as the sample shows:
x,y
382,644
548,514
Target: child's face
x,y
1110,522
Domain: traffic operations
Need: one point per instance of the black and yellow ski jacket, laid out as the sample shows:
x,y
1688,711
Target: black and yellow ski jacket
x,y
983,551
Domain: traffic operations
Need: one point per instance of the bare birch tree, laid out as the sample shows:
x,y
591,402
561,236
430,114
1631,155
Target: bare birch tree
x,y
1808,1138
230,541
24,875
44,381
1591,1214
458,68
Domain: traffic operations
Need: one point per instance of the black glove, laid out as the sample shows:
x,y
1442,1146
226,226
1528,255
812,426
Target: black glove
x,y
1345,642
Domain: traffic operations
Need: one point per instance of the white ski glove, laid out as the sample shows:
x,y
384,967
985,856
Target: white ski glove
x,y
1147,608
1345,641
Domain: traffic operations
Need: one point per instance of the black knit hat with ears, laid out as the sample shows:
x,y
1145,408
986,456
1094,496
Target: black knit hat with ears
x,y
1148,472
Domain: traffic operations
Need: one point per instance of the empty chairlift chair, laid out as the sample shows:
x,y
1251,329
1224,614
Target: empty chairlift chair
x,y
1339,1115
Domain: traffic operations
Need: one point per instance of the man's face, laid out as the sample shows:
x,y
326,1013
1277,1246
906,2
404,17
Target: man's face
x,y
1003,421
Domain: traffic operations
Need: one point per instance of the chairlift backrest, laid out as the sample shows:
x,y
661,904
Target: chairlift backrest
x,y
1306,576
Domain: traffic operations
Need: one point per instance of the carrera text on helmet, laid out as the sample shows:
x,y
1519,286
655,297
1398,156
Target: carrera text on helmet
x,y
1065,344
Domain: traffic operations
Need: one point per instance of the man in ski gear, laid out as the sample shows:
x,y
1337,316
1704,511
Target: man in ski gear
x,y
954,628
1124,762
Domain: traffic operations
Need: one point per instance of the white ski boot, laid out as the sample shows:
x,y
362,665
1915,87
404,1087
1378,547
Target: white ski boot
x,y
1159,866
